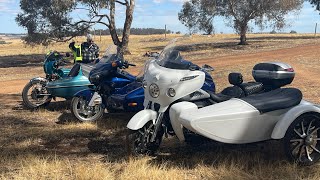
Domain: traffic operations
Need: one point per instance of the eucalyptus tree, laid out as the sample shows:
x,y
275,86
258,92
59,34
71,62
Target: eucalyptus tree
x,y
240,13
48,21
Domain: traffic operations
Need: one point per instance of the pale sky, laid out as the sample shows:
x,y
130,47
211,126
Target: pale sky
x,y
158,13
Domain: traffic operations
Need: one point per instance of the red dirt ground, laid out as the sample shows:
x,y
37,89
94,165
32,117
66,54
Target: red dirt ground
x,y
304,59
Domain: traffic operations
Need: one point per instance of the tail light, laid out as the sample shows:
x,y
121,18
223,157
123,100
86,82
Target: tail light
x,y
289,70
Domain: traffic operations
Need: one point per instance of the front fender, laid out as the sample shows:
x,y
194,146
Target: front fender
x,y
87,93
38,79
282,125
142,118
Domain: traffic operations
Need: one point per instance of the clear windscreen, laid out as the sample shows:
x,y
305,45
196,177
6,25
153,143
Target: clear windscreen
x,y
171,58
109,54
143,69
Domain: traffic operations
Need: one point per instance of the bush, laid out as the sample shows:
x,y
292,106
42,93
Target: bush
x,y
3,42
293,32
273,32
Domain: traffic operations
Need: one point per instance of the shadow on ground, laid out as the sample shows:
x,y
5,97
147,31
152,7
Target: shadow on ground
x,y
22,60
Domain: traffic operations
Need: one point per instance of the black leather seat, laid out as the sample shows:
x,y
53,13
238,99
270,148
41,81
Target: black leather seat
x,y
275,99
252,88
230,92
74,71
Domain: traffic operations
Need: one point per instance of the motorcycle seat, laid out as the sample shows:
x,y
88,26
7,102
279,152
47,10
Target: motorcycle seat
x,y
218,97
275,100
74,70
251,88
227,93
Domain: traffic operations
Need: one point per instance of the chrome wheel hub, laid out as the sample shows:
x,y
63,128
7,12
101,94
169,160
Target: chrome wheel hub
x,y
304,141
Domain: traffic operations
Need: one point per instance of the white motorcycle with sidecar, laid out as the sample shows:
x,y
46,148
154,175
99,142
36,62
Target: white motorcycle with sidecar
x,y
243,113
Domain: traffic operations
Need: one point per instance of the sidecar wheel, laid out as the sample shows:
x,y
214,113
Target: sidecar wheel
x,y
302,140
138,142
31,95
81,110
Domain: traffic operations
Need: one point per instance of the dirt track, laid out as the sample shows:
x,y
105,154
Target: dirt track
x,y
304,59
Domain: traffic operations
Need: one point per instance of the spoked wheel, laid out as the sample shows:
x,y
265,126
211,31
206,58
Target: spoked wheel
x,y
302,140
82,111
139,142
35,94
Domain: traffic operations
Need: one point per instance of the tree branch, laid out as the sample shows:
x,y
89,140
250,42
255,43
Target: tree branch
x,y
122,3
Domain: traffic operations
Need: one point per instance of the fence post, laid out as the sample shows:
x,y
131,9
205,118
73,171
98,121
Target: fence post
x,y
315,30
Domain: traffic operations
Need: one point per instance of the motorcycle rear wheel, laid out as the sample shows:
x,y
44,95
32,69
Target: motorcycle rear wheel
x,y
302,140
81,110
35,99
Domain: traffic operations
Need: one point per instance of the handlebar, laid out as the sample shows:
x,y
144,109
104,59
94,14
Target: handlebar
x,y
131,64
126,64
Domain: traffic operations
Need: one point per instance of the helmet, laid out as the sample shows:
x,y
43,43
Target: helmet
x,y
89,37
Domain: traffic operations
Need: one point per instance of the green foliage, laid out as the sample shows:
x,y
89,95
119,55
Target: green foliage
x,y
315,3
293,32
51,20
48,20
197,15
239,13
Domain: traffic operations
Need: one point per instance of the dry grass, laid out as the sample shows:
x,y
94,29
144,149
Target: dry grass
x,y
49,144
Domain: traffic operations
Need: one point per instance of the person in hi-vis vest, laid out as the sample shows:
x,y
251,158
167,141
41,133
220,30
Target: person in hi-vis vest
x,y
77,52
87,52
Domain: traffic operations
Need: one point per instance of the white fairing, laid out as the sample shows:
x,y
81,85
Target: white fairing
x,y
175,112
235,121
167,78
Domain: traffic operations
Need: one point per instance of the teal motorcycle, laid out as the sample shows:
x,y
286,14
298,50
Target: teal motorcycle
x,y
59,82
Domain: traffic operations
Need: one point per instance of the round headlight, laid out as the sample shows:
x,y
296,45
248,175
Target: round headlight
x,y
154,90
144,84
94,78
171,92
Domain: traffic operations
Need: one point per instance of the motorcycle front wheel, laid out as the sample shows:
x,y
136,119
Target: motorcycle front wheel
x,y
138,142
83,112
35,94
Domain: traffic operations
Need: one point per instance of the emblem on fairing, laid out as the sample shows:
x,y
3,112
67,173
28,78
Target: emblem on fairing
x,y
188,78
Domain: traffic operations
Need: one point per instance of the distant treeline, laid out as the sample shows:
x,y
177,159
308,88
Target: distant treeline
x,y
12,34
135,31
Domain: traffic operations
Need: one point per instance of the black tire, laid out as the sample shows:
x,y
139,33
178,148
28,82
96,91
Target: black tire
x,y
34,100
302,140
138,142
84,113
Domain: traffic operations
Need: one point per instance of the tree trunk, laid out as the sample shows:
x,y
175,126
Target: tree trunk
x,y
127,26
112,25
243,35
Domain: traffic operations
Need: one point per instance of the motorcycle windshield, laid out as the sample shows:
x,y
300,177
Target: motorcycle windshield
x,y
171,58
110,54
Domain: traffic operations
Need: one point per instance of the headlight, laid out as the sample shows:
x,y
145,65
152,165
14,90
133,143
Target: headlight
x,y
144,84
94,78
154,90
171,92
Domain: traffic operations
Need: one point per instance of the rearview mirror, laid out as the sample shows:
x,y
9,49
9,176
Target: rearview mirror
x,y
68,54
206,67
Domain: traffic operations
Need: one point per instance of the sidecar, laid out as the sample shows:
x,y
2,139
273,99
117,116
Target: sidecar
x,y
280,113
75,81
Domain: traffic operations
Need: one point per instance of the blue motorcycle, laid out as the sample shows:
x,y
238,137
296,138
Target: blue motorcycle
x,y
115,90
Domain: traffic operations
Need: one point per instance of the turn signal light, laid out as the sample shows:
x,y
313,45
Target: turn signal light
x,y
133,104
